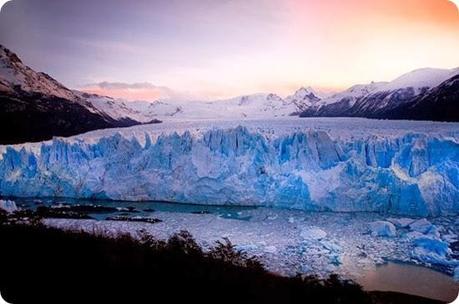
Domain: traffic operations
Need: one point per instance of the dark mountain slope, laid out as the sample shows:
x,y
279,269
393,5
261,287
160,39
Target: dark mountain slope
x,y
440,104
35,107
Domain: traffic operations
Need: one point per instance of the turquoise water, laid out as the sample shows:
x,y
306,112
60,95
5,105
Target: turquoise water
x,y
140,208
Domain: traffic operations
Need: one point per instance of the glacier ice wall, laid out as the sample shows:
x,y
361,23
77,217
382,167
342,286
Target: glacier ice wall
x,y
411,174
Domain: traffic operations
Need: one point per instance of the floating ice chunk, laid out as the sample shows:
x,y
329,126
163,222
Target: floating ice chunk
x,y
434,231
430,250
270,249
246,247
312,233
335,252
272,217
383,228
414,235
8,206
291,220
401,222
422,226
450,237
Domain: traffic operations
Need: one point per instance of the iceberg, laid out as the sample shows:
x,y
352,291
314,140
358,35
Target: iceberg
x,y
411,174
312,233
422,225
401,222
383,228
434,251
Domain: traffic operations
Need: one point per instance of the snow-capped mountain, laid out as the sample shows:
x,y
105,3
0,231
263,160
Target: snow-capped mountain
x,y
22,82
440,103
262,105
37,107
34,106
141,111
16,76
303,99
379,100
374,100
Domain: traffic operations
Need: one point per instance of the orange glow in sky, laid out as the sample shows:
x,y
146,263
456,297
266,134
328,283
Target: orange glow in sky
x,y
218,49
359,41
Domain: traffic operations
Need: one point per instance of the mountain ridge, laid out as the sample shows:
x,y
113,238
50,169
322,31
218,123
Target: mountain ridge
x,y
386,100
35,107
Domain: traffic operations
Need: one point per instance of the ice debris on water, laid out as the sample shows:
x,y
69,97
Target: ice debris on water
x,y
312,233
383,228
8,206
430,250
422,226
401,222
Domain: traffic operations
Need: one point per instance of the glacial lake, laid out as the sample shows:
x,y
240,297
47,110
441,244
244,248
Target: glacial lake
x,y
410,279
139,208
397,277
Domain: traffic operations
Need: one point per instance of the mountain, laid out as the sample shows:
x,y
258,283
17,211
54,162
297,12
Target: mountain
x,y
141,111
303,99
261,105
34,106
255,106
440,103
386,99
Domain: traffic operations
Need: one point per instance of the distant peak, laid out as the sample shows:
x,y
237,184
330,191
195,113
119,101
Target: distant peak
x,y
424,77
9,55
305,91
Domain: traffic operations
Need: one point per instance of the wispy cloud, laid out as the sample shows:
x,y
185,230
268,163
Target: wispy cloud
x,y
135,91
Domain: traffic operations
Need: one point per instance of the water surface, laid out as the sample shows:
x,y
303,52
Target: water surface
x,y
410,279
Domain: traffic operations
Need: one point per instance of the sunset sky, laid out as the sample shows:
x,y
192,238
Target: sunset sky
x,y
146,49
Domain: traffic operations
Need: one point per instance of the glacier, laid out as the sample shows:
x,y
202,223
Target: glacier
x,y
313,165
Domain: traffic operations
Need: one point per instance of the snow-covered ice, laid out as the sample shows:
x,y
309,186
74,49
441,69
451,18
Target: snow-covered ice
x,y
401,222
308,164
383,228
312,233
421,225
432,250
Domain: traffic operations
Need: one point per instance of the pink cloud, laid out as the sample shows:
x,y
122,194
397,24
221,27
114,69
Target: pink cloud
x,y
131,92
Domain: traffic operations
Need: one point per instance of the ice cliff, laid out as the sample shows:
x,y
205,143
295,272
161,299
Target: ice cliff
x,y
410,174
